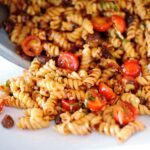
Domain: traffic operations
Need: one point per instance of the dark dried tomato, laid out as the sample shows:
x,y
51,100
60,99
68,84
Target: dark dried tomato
x,y
7,122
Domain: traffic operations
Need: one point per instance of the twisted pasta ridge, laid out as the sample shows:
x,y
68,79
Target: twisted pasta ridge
x,y
118,53
51,49
25,99
82,129
69,83
104,6
75,94
16,32
129,50
144,80
129,130
47,68
34,67
143,110
10,101
60,40
50,85
86,58
87,25
131,98
107,115
49,106
75,35
34,112
32,123
75,18
91,8
109,129
131,31
33,9
93,77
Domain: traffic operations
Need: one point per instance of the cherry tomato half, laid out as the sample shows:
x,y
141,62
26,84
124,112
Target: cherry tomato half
x,y
101,24
68,61
70,105
124,113
107,92
94,101
119,23
129,80
131,68
31,46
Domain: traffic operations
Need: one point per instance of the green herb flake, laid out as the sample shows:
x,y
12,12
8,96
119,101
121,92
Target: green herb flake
x,y
7,83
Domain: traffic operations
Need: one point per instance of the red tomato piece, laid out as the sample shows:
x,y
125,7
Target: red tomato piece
x,y
101,24
94,101
119,23
31,46
107,92
68,61
1,105
129,80
124,113
131,68
70,105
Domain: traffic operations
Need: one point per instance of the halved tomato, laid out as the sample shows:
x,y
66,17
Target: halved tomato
x,y
119,23
124,113
131,68
68,61
101,24
107,92
94,101
70,105
31,46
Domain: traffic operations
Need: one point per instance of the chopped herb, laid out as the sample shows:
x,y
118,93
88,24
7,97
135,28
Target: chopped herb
x,y
7,83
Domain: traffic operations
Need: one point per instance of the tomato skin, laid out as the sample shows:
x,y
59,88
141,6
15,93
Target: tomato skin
x,y
131,68
107,92
2,103
129,80
68,61
94,101
101,24
124,113
31,46
66,104
119,23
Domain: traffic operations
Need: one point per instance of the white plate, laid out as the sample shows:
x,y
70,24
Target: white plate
x,y
48,139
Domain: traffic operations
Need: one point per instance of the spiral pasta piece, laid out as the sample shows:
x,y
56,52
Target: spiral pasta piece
x,y
131,98
109,129
86,58
47,68
143,110
92,78
131,31
32,123
60,40
51,49
143,80
129,130
25,99
10,101
34,67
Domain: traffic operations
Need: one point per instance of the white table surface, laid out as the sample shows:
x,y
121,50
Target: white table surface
x,y
48,139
